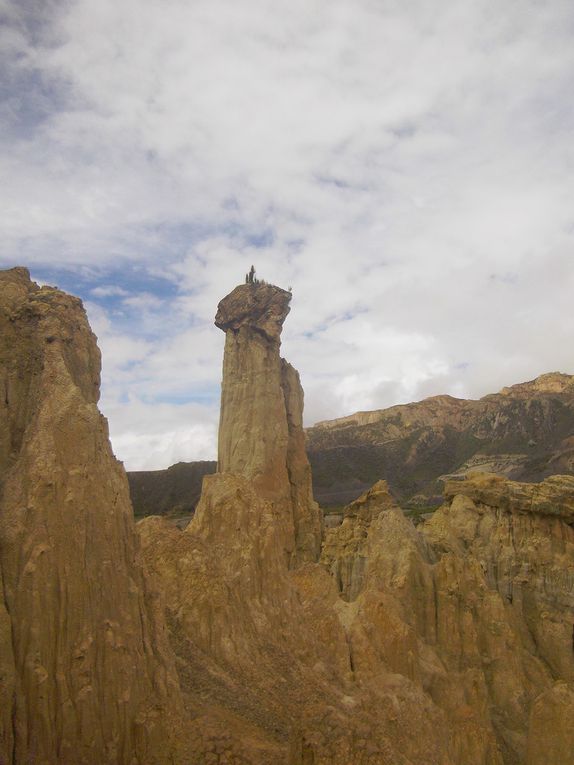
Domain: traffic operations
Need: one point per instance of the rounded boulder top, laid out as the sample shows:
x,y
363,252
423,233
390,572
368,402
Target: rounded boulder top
x,y
262,307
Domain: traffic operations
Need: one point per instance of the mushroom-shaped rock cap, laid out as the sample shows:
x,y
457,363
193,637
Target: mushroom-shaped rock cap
x,y
260,306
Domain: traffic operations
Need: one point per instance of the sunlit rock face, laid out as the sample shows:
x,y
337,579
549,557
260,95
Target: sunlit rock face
x,y
85,670
344,551
261,433
263,650
476,606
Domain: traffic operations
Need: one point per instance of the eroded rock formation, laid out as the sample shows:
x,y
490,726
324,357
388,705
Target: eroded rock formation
x,y
445,644
85,670
450,644
476,607
344,552
524,433
261,432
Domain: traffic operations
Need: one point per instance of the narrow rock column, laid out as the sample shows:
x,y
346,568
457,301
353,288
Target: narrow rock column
x,y
86,675
260,430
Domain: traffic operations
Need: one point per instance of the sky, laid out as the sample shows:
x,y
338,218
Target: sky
x,y
406,166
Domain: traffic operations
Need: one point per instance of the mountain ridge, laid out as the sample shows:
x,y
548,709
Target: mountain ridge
x,y
530,425
525,432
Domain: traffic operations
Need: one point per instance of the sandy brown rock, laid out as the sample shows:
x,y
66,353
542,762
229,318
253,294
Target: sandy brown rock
x,y
522,552
450,644
477,610
262,307
554,496
307,516
260,430
551,736
85,670
263,651
446,644
344,549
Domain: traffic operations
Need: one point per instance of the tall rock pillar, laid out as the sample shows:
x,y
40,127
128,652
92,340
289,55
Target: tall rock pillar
x,y
260,430
86,674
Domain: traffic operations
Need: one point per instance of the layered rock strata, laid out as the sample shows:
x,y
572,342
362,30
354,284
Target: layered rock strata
x,y
86,676
261,433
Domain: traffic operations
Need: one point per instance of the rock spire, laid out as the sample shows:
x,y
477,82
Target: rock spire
x,y
261,429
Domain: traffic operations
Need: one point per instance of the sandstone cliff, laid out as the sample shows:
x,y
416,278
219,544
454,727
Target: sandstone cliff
x,y
524,433
261,430
460,633
85,670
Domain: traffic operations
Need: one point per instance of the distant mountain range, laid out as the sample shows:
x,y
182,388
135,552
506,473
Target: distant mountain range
x,y
525,432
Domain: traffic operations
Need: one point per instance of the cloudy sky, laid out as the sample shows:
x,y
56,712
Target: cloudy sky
x,y
407,166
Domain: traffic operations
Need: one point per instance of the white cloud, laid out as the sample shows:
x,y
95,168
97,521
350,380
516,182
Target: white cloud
x,y
406,167
109,290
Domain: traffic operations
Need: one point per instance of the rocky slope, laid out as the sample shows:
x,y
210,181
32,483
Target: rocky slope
x,y
525,432
86,673
460,632
476,606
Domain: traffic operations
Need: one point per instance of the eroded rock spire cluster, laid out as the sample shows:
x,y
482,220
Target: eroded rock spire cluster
x,y
230,642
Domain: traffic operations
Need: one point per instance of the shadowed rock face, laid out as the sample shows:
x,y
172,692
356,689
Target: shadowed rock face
x,y
261,433
174,491
85,672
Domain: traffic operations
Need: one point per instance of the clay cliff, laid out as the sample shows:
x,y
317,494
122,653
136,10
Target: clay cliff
x,y
261,421
86,673
227,643
524,433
